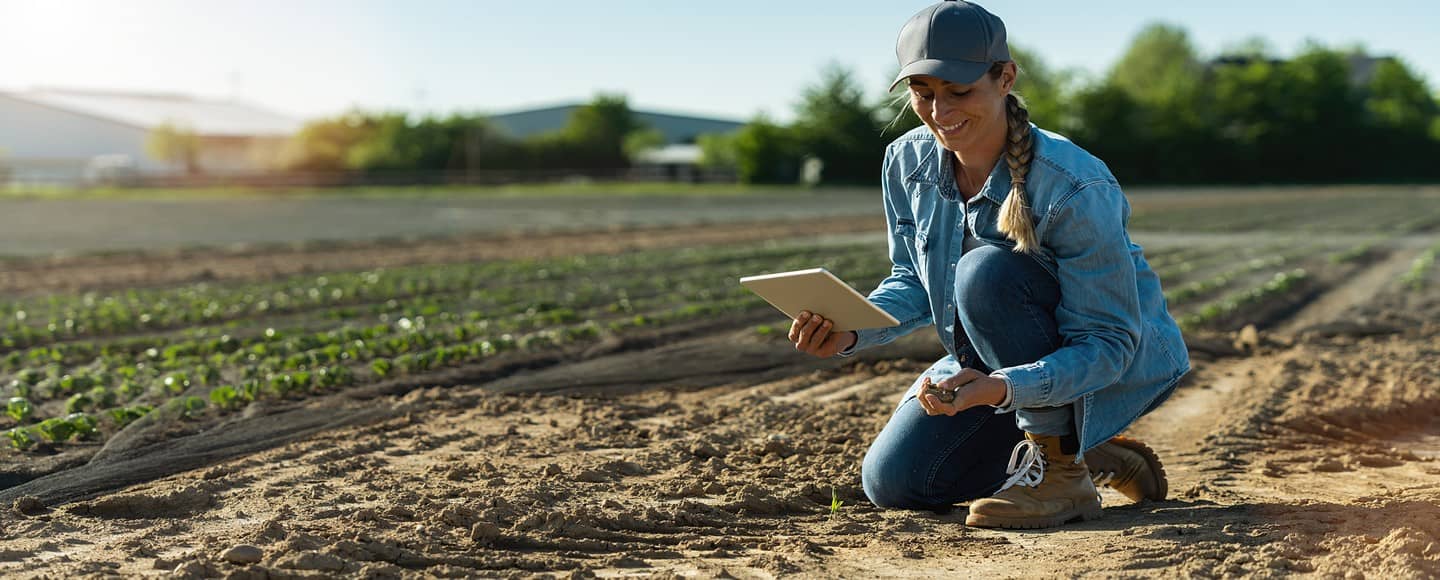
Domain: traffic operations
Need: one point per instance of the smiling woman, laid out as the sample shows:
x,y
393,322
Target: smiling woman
x,y
1012,241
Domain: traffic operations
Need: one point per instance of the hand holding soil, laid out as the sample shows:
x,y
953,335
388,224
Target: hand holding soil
x,y
969,388
811,334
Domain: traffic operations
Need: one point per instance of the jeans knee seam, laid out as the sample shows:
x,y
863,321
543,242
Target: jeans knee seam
x,y
941,459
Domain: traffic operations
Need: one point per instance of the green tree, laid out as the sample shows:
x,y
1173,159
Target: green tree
x,y
765,153
836,123
717,150
640,141
597,131
1160,67
1045,90
174,143
1398,99
325,144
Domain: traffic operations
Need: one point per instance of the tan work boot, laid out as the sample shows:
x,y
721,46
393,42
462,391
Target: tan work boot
x,y
1046,488
1129,467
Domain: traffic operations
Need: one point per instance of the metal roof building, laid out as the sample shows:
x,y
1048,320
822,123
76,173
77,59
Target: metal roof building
x,y
62,135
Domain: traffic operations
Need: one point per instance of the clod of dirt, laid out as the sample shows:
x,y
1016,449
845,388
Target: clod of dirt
x,y
312,561
1248,339
29,505
195,569
484,532
704,450
180,502
242,554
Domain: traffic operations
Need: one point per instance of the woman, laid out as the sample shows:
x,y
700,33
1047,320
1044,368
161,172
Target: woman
x,y
1012,241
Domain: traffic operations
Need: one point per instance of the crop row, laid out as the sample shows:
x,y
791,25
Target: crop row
x,y
124,377
1279,285
29,323
1419,273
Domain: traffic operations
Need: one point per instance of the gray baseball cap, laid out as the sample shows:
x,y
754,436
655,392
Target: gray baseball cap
x,y
954,40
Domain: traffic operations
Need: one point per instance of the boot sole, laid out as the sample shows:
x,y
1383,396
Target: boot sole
x,y
1152,460
1084,514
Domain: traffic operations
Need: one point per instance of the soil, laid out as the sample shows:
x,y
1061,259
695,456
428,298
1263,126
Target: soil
x,y
1307,446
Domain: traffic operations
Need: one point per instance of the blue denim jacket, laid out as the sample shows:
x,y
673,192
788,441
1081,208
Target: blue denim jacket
x,y
1122,352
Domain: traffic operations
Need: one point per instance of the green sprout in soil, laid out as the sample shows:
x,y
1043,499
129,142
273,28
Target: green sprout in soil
x,y
21,438
835,503
19,409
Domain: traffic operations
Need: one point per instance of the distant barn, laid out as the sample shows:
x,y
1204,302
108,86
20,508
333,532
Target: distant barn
x,y
63,136
678,158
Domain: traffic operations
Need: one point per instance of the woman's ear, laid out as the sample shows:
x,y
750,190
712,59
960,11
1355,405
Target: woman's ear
x,y
1007,77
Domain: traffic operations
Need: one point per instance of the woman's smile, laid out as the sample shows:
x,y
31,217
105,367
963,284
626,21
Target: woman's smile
x,y
952,130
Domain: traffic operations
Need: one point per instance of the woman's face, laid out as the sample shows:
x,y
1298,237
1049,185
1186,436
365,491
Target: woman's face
x,y
962,116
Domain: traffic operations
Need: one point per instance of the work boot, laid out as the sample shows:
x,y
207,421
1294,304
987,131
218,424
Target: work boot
x,y
1046,488
1129,467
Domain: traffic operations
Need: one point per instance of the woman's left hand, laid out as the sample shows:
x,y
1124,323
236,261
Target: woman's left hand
x,y
972,389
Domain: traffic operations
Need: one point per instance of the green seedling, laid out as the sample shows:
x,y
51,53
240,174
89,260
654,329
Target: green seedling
x,y
125,415
19,409
224,397
77,403
20,438
835,503
381,367
56,429
83,424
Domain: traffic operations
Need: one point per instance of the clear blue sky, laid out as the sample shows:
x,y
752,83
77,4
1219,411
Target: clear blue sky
x,y
730,58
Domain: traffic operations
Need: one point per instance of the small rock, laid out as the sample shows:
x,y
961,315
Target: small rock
x,y
29,505
704,450
484,532
1248,339
242,554
593,476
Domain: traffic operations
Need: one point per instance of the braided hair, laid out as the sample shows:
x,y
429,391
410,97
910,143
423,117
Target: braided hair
x,y
1015,219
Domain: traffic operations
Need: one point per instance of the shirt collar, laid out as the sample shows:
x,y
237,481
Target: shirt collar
x,y
937,167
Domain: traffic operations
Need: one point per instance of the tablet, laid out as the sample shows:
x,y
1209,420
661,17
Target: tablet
x,y
817,290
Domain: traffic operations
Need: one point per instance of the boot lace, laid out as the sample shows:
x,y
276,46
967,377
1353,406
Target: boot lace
x,y
1100,479
1027,471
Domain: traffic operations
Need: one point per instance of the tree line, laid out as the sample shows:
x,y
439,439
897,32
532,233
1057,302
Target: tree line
x,y
1161,114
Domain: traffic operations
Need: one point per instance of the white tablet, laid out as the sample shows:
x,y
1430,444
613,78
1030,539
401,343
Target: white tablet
x,y
817,290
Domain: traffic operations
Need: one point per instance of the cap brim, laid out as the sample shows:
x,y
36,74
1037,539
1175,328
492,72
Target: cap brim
x,y
956,71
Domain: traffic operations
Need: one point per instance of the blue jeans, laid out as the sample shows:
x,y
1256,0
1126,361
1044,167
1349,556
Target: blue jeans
x,y
1006,304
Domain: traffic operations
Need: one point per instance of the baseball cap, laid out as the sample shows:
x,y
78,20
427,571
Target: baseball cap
x,y
954,40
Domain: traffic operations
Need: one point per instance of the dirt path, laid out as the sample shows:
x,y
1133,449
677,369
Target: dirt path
x,y
1362,287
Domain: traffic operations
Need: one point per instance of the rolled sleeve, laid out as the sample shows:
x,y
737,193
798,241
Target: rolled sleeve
x,y
1098,317
1008,404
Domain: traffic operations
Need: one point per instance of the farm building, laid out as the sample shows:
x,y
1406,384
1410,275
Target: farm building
x,y
69,136
677,129
678,154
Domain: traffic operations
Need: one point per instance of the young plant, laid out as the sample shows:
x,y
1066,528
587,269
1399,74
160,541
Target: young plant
x,y
224,397
19,409
83,424
56,429
21,438
77,403
125,415
835,503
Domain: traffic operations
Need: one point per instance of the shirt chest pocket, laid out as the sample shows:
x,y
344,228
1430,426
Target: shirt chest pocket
x,y
907,232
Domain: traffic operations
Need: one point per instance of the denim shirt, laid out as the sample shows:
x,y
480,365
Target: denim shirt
x,y
1121,354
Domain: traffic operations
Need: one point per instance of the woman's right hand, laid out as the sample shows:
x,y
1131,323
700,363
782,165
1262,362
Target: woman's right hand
x,y
811,334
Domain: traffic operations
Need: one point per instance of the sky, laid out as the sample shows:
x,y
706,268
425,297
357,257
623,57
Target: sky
x,y
728,59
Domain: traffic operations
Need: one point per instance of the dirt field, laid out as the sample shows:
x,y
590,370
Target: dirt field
x,y
707,449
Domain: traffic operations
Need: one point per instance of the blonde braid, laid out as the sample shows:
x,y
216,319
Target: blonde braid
x,y
1015,220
